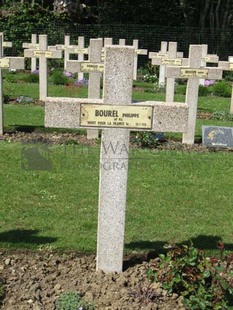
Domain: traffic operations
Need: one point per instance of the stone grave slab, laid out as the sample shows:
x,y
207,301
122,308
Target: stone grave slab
x,y
216,136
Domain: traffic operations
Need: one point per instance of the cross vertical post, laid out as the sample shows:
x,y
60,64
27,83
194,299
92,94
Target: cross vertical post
x,y
192,93
135,45
112,195
80,55
204,51
95,54
43,67
170,85
33,60
121,41
66,51
107,41
94,67
162,67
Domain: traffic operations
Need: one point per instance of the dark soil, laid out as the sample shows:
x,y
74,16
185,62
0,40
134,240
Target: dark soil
x,y
35,279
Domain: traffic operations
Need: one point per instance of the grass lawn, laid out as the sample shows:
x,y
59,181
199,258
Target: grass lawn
x,y
173,196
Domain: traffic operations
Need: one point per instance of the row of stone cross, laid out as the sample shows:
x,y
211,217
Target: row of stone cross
x,y
193,68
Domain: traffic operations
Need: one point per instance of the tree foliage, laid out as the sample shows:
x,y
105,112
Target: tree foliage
x,y
214,14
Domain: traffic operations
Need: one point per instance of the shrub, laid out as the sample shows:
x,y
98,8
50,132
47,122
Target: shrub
x,y
148,139
72,301
204,283
180,89
203,91
7,93
31,78
159,88
228,76
11,77
221,89
222,116
81,83
150,78
58,78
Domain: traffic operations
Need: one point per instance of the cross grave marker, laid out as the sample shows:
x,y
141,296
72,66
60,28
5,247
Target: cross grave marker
x,y
6,63
193,73
33,44
170,58
160,59
77,49
116,116
207,58
138,53
162,53
43,53
5,43
95,68
228,66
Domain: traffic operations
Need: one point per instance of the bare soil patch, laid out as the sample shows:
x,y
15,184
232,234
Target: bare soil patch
x,y
35,279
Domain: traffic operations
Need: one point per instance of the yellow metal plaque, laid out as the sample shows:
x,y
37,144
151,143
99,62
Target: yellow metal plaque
x,y
92,67
45,54
114,116
80,50
33,46
196,73
4,63
161,55
6,44
231,67
141,52
210,58
173,62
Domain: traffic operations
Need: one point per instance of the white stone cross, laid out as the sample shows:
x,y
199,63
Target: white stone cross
x,y
95,68
138,53
116,115
5,43
73,49
207,58
32,45
193,73
228,66
164,58
43,53
6,63
162,53
170,58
